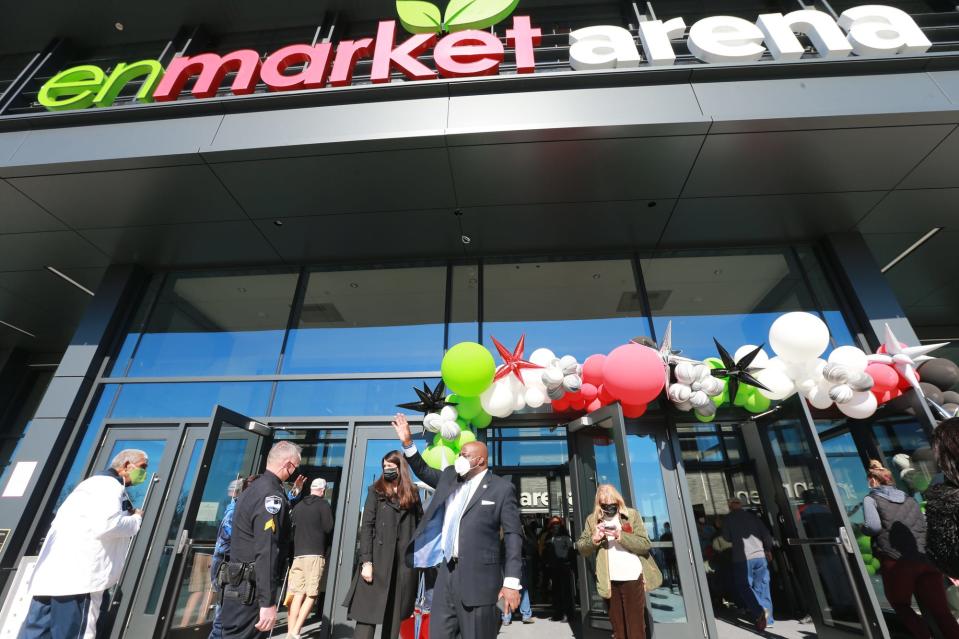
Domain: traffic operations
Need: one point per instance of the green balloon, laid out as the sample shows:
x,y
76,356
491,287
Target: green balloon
x,y
867,558
871,570
865,544
876,563
434,456
467,407
466,436
468,369
742,395
482,420
705,419
756,402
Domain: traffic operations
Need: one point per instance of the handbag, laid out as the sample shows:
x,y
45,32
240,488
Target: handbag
x,y
418,625
652,577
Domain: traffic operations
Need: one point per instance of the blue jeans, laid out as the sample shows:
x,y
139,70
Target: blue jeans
x,y
757,571
63,617
525,608
217,631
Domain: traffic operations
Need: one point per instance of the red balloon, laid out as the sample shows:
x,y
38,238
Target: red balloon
x,y
589,392
882,348
593,369
633,411
578,404
904,383
561,404
605,397
594,405
884,377
634,374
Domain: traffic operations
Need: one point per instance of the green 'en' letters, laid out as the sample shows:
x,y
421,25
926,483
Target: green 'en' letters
x,y
73,88
124,73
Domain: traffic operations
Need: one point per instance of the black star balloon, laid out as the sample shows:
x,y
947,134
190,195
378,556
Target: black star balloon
x,y
431,401
736,373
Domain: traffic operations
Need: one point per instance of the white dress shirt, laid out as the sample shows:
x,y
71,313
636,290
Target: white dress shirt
x,y
470,487
623,565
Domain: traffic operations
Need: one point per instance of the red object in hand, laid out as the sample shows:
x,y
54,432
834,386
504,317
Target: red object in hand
x,y
408,627
627,528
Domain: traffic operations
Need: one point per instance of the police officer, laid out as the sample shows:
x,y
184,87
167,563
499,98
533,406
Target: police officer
x,y
257,557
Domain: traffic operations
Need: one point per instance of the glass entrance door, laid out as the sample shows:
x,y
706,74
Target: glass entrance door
x,y
820,551
165,589
638,459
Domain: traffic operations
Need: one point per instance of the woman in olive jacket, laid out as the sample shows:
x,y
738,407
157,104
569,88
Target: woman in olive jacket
x,y
625,572
384,588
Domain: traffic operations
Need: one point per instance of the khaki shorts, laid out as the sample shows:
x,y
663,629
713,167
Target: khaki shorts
x,y
306,574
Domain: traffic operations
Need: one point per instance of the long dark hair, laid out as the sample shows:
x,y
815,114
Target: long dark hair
x,y
945,448
406,492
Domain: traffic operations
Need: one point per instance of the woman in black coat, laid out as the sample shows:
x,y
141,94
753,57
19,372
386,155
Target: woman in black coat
x,y
384,588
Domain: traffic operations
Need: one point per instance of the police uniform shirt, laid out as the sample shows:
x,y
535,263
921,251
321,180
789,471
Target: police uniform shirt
x,y
260,534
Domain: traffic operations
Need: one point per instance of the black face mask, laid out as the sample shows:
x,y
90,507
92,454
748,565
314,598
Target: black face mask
x,y
391,474
610,509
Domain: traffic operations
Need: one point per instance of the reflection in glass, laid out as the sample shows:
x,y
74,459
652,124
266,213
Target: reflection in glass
x,y
575,307
191,399
346,397
464,305
517,447
650,500
805,487
732,297
375,320
229,323
90,434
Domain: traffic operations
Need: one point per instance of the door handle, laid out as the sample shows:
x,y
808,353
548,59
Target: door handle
x,y
183,541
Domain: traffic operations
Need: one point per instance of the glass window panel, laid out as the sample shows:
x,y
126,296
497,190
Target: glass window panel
x,y
77,468
464,304
375,320
346,397
154,450
137,325
825,294
321,447
216,324
577,307
191,399
650,501
732,297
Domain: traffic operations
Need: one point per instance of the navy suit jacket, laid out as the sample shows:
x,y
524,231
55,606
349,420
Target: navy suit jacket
x,y
492,507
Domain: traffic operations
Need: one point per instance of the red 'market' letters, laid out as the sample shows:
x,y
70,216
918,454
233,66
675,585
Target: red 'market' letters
x,y
468,53
385,55
316,58
523,39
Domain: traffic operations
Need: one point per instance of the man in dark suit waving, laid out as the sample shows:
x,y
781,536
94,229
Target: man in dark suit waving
x,y
460,533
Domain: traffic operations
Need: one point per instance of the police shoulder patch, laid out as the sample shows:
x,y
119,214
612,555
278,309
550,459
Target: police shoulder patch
x,y
272,504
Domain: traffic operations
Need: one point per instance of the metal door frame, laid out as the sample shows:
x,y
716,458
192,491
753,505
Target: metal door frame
x,y
698,616
874,624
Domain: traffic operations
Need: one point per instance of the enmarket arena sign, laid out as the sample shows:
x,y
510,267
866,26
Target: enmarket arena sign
x,y
460,48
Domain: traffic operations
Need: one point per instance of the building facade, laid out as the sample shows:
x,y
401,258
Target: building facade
x,y
231,224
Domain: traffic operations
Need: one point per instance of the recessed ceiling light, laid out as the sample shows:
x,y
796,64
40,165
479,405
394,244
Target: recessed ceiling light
x,y
18,329
118,26
277,222
912,247
70,280
354,285
596,276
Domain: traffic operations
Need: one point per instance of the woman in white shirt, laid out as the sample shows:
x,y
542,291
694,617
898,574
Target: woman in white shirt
x,y
625,571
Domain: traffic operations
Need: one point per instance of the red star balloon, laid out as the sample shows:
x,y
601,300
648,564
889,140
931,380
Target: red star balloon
x,y
512,362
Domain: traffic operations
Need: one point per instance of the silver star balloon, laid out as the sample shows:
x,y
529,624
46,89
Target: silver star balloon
x,y
667,353
905,359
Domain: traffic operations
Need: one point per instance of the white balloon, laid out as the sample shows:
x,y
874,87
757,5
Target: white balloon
x,y
798,336
498,399
777,381
841,393
861,406
448,412
699,399
679,393
431,422
685,373
761,357
535,397
446,461
568,363
519,401
532,378
849,356
449,429
706,410
552,376
684,406
712,386
542,357
573,383
819,397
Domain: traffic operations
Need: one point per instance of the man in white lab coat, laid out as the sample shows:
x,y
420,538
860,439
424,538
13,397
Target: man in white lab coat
x,y
84,551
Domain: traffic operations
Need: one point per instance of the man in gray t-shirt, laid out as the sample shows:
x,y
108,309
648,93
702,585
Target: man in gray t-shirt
x,y
752,548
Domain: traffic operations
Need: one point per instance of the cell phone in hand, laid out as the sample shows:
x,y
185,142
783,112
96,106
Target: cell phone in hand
x,y
501,604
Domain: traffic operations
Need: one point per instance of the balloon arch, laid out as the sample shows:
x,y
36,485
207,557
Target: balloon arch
x,y
638,372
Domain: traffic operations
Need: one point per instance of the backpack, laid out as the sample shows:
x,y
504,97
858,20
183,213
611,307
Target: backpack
x,y
562,546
